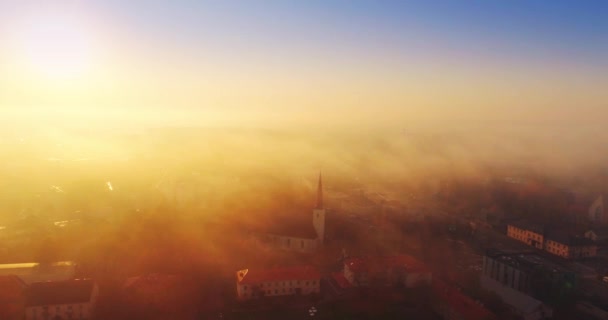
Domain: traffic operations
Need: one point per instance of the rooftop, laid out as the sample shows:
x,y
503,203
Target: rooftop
x,y
253,276
526,260
367,264
30,265
59,292
568,238
527,225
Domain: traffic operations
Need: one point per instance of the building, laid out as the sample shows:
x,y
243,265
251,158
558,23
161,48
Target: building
x,y
452,304
160,296
569,246
555,241
302,280
531,234
293,234
70,299
37,272
386,271
527,281
12,298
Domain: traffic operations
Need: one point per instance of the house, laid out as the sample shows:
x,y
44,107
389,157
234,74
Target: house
x,y
12,297
386,271
300,280
161,296
453,304
69,299
37,272
293,234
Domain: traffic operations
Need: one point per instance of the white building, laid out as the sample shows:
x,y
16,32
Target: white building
x,y
252,284
71,299
296,235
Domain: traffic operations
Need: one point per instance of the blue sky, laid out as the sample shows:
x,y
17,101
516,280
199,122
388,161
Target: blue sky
x,y
535,55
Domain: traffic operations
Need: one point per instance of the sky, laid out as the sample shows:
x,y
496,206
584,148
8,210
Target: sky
x,y
304,62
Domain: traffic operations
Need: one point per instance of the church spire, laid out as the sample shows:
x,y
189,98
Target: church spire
x,y
320,193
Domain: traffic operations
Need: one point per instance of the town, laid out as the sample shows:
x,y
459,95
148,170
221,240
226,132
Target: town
x,y
463,249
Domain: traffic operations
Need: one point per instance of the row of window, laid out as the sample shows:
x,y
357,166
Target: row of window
x,y
69,312
290,283
276,292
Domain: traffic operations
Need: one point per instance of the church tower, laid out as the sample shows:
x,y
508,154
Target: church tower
x,y
318,213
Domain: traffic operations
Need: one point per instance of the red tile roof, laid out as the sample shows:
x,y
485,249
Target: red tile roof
x,y
252,276
460,303
59,292
370,264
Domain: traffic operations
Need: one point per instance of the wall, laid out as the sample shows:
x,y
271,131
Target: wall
x,y
278,288
79,311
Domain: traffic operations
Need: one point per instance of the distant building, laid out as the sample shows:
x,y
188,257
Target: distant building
x,y
37,272
558,242
386,271
12,298
296,235
527,282
252,283
70,299
453,304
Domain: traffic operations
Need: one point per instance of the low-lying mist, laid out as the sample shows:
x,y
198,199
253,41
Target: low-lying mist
x,y
169,199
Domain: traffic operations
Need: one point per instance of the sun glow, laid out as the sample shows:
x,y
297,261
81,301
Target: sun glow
x,y
57,48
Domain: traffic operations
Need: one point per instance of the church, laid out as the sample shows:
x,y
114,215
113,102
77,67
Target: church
x,y
295,234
